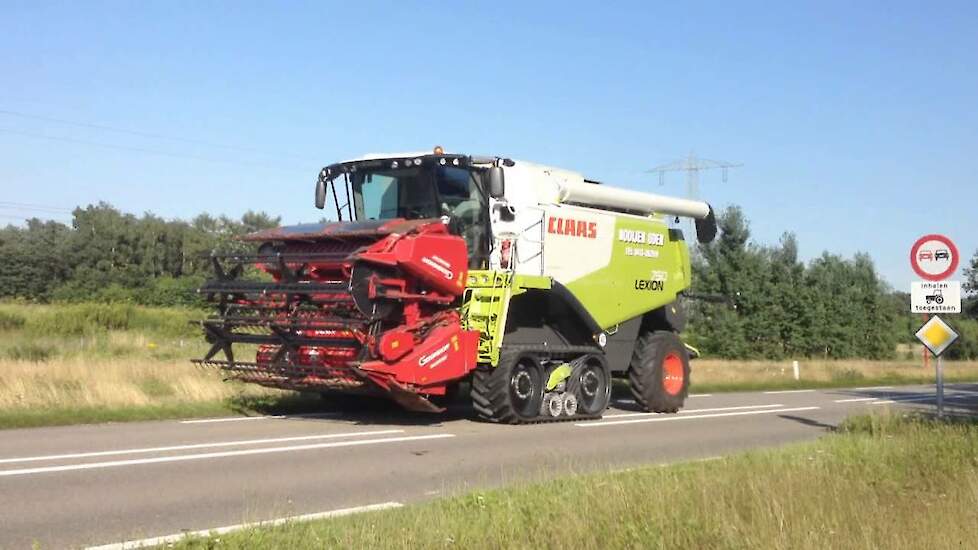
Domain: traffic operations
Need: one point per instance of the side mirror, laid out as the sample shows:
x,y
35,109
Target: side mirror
x,y
497,182
706,229
320,194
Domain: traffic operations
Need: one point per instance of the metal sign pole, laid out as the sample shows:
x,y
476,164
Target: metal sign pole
x,y
926,354
940,387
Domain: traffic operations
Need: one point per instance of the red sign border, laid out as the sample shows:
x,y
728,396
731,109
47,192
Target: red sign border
x,y
940,276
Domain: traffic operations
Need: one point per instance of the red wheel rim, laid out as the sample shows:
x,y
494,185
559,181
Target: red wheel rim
x,y
672,374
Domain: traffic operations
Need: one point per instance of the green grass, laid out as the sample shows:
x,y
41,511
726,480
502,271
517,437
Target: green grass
x,y
63,416
880,482
244,405
769,385
10,320
713,375
87,319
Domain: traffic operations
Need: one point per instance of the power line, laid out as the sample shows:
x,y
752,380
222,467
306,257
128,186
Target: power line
x,y
146,151
39,207
49,218
151,135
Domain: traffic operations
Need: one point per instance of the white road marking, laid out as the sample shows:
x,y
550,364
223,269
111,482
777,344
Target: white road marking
x,y
661,418
265,417
789,391
196,446
904,399
875,388
693,411
856,399
632,401
225,454
170,539
230,419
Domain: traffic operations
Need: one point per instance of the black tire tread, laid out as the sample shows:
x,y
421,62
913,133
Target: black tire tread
x,y
644,372
490,390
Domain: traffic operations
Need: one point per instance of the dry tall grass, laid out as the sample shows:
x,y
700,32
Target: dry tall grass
x,y
92,362
716,373
81,382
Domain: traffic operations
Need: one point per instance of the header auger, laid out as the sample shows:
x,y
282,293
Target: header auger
x,y
535,285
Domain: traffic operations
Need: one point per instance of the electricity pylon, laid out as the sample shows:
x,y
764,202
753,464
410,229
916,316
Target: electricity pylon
x,y
692,165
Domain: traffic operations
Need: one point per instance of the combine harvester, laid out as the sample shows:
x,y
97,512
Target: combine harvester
x,y
533,283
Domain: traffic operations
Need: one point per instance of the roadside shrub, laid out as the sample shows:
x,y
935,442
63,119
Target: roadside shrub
x,y
11,321
169,291
81,319
847,375
163,291
155,388
966,347
171,322
28,352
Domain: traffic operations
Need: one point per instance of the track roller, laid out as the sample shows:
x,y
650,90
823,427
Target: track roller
x,y
570,404
514,392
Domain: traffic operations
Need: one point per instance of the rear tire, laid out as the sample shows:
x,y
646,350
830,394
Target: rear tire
x,y
659,372
510,393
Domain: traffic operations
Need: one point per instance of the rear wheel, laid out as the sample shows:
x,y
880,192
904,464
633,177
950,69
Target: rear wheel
x,y
512,392
659,372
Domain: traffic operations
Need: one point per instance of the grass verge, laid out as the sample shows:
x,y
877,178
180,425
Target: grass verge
x,y
84,363
880,482
716,375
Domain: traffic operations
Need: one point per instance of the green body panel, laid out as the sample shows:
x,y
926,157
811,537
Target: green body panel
x,y
639,277
633,283
558,375
486,303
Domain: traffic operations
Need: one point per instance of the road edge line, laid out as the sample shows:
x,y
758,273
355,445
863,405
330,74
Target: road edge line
x,y
170,539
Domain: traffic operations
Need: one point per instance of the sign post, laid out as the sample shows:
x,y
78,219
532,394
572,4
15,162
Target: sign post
x,y
937,335
935,258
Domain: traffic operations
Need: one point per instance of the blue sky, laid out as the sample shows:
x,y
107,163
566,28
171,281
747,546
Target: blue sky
x,y
857,123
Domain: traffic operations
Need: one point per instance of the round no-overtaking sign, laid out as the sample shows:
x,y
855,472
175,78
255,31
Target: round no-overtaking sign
x,y
934,257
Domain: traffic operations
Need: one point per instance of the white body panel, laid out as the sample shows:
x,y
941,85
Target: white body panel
x,y
578,241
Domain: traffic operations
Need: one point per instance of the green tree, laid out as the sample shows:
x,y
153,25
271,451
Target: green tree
x,y
970,305
777,307
109,255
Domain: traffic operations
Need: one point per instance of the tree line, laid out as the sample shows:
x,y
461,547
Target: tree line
x,y
771,305
748,300
108,255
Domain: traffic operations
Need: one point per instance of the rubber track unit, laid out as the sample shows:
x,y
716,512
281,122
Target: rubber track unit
x,y
490,387
645,371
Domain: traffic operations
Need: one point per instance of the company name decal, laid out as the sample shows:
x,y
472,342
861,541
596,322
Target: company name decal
x,y
641,237
436,357
572,227
641,252
438,264
649,284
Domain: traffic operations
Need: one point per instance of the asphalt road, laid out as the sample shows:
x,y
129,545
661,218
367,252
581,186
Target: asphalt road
x,y
91,485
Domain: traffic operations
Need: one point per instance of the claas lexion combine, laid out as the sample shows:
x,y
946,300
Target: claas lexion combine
x,y
532,283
